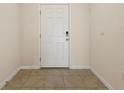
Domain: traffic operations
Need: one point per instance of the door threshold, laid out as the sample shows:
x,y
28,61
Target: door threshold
x,y
54,67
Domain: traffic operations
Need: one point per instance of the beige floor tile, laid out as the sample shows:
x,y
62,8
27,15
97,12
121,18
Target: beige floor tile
x,y
95,88
17,82
51,88
59,89
80,72
10,88
54,72
75,88
71,72
73,82
38,72
23,72
87,74
34,82
89,77
29,88
91,81
50,72
101,88
54,81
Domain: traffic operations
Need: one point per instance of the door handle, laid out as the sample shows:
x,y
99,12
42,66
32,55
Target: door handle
x,y
67,33
67,36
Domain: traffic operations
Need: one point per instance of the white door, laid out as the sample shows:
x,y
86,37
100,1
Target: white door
x,y
54,36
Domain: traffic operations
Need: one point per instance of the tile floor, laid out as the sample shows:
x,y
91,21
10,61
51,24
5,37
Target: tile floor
x,y
54,79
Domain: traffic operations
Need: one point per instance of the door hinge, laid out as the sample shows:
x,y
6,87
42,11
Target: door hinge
x,y
40,59
40,12
40,35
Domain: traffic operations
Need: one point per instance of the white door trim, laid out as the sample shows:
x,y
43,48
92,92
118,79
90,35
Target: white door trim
x,y
69,27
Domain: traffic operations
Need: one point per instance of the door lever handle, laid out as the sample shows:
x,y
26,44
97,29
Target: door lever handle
x,y
67,33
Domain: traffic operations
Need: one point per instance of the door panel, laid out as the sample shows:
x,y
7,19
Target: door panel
x,y
54,47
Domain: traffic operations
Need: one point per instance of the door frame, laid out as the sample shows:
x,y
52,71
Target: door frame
x,y
40,32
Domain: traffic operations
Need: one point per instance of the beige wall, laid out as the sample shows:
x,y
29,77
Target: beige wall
x,y
79,44
79,35
30,34
108,50
9,40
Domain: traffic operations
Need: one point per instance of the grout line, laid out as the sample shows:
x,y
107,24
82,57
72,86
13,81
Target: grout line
x,y
64,82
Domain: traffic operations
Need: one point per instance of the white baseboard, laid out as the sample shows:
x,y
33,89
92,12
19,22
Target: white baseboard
x,y
30,67
2,84
71,67
102,79
79,67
